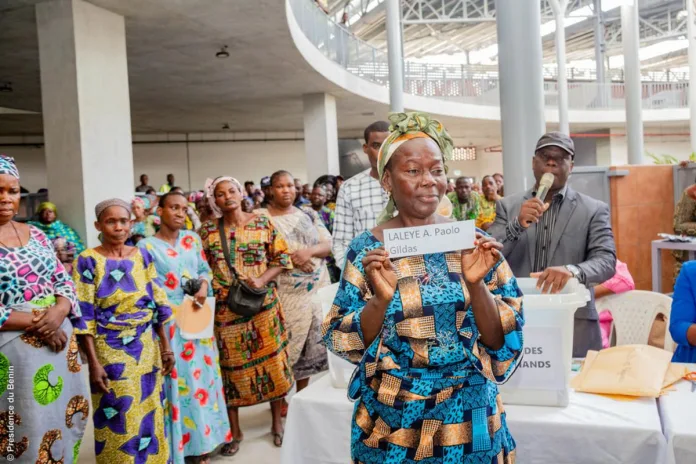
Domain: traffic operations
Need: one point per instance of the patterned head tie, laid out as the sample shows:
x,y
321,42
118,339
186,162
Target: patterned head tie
x,y
140,201
101,207
405,127
47,205
8,166
210,185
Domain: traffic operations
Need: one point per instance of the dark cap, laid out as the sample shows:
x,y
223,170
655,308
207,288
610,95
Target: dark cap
x,y
265,182
556,139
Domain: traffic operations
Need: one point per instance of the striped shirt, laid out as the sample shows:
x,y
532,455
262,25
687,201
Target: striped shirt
x,y
544,230
360,200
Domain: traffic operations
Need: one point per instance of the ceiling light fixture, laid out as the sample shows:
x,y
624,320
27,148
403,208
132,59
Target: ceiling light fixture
x,y
223,53
6,87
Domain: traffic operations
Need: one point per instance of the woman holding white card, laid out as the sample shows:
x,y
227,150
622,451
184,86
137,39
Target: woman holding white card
x,y
432,335
196,418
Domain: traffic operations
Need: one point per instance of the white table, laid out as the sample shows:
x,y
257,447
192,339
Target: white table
x,y
678,412
657,247
591,430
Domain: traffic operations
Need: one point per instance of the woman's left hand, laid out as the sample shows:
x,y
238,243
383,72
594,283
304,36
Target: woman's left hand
x,y
167,362
478,262
301,257
46,323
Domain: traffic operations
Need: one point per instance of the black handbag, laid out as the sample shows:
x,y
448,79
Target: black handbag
x,y
242,299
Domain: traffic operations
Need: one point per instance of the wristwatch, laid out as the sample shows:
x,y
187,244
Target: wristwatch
x,y
575,271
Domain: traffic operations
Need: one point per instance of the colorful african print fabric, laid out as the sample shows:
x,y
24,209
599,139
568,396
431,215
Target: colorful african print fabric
x,y
464,211
58,229
426,387
146,228
253,350
122,303
327,217
196,418
486,212
684,224
42,392
303,229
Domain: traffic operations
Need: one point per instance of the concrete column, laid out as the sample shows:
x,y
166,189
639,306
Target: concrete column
x,y
559,10
630,33
396,56
86,109
691,8
600,48
320,135
521,88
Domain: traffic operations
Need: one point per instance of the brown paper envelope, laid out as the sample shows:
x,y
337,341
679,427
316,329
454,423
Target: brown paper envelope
x,y
576,382
633,370
674,374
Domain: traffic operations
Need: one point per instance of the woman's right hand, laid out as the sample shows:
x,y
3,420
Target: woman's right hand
x,y
98,378
380,274
255,282
56,341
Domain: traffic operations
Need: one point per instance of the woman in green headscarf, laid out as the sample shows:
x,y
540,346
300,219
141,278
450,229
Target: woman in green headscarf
x,y
431,335
54,228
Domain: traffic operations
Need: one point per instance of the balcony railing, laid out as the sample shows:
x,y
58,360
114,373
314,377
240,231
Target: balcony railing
x,y
471,84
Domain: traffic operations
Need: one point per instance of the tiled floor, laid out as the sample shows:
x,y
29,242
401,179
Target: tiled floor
x,y
257,447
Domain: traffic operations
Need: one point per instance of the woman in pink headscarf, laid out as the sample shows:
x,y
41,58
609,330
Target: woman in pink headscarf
x,y
253,349
621,282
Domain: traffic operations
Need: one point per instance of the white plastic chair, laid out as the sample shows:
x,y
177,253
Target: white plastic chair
x,y
634,313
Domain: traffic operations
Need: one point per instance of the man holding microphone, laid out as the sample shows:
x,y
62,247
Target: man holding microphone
x,y
554,233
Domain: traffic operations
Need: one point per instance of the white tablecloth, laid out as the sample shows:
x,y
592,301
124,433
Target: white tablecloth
x,y
591,429
678,412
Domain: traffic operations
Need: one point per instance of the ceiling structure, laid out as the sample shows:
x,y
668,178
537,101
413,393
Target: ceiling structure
x,y
177,85
467,28
176,82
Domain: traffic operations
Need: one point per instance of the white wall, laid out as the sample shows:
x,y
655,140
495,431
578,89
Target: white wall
x,y
658,141
251,160
242,160
485,163
31,163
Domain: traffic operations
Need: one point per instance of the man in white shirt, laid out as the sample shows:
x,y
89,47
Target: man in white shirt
x,y
361,198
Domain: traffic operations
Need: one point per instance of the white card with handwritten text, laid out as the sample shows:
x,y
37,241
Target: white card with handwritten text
x,y
425,240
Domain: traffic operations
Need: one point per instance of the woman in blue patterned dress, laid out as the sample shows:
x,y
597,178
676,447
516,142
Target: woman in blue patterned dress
x,y
196,419
43,395
432,335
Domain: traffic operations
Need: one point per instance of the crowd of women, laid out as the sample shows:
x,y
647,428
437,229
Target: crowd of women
x,y
431,335
158,394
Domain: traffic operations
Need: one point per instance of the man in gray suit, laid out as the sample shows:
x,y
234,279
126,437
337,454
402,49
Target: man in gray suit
x,y
569,235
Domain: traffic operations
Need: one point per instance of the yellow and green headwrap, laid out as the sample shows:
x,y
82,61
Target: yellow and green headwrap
x,y
47,205
405,127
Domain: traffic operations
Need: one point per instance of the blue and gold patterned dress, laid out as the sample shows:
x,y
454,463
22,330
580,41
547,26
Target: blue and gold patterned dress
x,y
122,304
426,387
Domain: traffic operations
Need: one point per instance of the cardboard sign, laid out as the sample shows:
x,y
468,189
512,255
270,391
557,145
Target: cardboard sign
x,y
541,367
435,238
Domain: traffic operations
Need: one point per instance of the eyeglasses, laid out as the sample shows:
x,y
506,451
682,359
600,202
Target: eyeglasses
x,y
557,158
